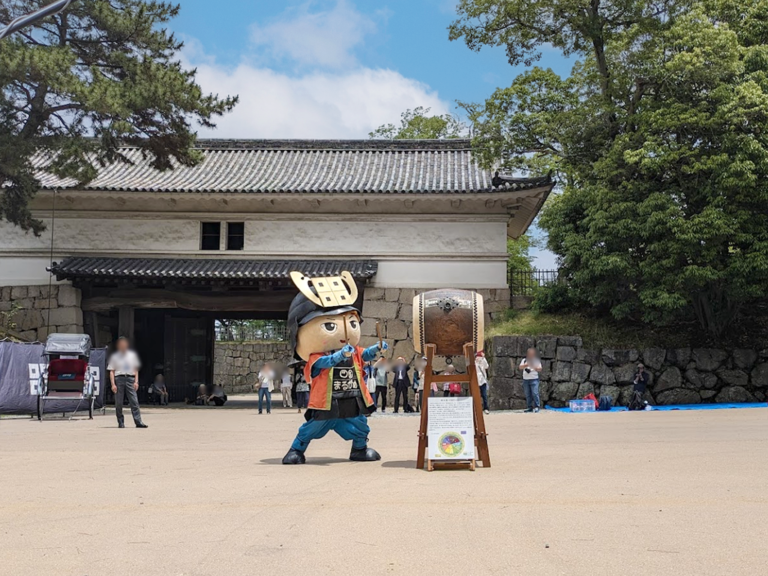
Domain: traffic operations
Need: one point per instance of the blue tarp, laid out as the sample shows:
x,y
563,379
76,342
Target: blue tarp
x,y
675,407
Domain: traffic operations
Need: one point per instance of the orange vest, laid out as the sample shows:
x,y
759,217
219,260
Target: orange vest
x,y
321,392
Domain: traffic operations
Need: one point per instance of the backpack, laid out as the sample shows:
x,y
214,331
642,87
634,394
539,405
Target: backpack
x,y
606,402
636,402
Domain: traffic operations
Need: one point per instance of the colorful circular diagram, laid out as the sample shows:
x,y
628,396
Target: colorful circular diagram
x,y
451,444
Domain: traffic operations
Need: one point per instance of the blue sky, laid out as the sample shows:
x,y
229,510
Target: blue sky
x,y
336,68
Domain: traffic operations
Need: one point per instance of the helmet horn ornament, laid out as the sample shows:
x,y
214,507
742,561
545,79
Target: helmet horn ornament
x,y
327,292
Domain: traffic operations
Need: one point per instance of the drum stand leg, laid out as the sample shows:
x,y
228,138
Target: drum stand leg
x,y
430,350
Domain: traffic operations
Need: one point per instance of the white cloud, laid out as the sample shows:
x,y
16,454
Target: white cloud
x,y
327,95
315,105
322,38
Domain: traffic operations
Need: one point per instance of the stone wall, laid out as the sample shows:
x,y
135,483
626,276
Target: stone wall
x,y
236,364
677,376
32,317
393,308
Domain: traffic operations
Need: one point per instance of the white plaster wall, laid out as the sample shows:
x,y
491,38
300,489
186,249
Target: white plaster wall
x,y
114,235
317,238
416,254
428,274
24,271
377,236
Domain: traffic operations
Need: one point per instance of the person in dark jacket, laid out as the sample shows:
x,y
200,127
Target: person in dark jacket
x,y
641,380
401,383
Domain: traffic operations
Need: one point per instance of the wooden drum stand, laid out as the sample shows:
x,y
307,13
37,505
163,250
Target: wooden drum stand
x,y
481,437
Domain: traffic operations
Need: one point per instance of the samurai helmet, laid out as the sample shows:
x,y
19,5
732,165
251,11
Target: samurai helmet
x,y
327,296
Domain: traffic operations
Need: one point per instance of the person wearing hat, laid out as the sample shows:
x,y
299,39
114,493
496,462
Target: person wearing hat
x,y
481,367
326,338
401,382
640,383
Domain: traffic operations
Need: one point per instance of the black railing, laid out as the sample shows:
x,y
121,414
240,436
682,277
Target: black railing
x,y
251,330
527,282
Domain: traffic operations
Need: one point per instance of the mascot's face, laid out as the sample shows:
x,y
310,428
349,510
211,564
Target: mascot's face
x,y
326,334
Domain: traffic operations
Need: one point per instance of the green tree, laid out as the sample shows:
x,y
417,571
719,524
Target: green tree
x,y
519,251
658,136
417,124
78,85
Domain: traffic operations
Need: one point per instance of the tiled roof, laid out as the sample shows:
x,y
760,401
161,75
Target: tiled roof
x,y
208,270
307,166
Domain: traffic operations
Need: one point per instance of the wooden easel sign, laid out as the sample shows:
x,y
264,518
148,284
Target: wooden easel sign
x,y
450,432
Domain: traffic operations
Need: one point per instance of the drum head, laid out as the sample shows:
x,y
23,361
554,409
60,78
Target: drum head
x,y
449,319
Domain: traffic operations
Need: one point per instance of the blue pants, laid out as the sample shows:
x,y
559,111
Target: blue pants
x,y
484,395
265,393
355,429
531,389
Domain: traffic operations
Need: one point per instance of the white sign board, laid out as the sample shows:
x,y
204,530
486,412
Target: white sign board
x,y
451,429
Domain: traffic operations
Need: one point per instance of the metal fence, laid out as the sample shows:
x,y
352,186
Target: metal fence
x,y
527,282
251,330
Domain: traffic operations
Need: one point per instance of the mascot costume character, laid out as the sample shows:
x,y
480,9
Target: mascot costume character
x,y
325,329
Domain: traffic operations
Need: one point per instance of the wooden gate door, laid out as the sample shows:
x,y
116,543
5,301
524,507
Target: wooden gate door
x,y
188,355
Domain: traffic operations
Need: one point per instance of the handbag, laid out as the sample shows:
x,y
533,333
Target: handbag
x,y
454,388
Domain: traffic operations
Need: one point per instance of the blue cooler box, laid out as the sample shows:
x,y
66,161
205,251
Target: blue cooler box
x,y
582,405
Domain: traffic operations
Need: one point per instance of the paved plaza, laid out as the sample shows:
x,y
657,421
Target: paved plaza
x,y
202,492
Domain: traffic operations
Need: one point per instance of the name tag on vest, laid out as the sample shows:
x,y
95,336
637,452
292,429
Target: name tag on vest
x,y
344,380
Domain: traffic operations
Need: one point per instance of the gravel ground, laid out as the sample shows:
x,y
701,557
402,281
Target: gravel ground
x,y
202,492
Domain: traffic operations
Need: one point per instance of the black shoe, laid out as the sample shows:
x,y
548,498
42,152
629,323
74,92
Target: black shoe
x,y
364,455
294,457
120,425
528,410
141,425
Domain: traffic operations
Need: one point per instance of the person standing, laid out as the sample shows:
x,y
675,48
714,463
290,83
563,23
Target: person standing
x,y
123,369
369,373
160,390
286,385
380,370
302,392
481,367
531,367
401,382
418,382
265,389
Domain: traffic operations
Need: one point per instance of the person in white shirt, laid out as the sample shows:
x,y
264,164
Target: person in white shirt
x,y
266,376
481,367
286,385
123,370
531,367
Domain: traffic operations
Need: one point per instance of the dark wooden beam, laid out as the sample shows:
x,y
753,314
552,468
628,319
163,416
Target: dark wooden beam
x,y
208,302
126,320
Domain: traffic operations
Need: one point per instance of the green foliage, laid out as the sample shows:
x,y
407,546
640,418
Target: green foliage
x,y
77,85
554,298
416,124
237,330
519,250
596,332
658,139
7,321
